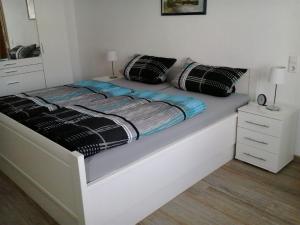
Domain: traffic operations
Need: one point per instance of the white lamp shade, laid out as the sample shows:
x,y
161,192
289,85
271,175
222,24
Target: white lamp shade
x,y
112,56
277,75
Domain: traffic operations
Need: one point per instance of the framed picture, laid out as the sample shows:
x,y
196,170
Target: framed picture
x,y
30,9
183,7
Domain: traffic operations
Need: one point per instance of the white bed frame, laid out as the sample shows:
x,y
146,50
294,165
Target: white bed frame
x,y
56,179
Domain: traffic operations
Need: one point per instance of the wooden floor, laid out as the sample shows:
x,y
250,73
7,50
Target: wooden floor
x,y
236,194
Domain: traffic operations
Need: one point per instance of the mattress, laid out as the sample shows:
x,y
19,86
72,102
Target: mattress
x,y
108,162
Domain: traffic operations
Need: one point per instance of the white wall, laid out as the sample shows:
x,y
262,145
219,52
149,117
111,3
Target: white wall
x,y
255,34
295,84
21,30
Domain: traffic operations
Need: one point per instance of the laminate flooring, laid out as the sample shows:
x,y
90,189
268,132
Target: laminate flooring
x,y
236,194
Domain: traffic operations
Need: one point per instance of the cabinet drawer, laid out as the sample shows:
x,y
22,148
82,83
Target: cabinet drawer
x,y
20,70
257,157
20,62
257,140
260,124
21,83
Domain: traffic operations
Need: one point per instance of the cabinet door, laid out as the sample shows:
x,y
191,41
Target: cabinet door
x,y
52,30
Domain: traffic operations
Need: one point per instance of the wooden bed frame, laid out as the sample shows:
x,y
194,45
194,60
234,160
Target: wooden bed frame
x,y
56,179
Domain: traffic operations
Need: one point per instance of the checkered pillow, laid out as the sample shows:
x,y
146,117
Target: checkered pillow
x,y
211,80
148,69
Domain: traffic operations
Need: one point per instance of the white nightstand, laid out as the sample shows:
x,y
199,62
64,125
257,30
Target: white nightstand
x,y
106,78
266,139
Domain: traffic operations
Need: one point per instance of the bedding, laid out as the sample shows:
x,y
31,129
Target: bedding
x,y
21,52
212,80
89,123
108,162
138,85
148,69
23,107
32,103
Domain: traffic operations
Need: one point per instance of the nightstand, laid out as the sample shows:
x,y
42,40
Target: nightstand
x,y
106,78
266,139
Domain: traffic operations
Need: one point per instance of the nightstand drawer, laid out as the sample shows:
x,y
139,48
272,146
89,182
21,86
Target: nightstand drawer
x,y
257,140
260,124
257,157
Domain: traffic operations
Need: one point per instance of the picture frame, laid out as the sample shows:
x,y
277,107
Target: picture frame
x,y
183,7
31,9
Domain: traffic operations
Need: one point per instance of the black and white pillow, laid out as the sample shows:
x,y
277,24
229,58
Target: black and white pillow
x,y
148,69
21,52
211,80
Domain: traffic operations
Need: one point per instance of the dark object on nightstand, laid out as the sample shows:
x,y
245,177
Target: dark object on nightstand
x,y
262,100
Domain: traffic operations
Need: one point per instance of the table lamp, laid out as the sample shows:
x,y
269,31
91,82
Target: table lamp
x,y
277,77
112,57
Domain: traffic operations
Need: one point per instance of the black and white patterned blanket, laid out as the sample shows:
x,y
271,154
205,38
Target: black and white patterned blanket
x,y
98,123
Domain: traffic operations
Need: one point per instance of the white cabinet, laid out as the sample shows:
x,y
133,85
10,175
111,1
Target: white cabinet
x,y
21,75
54,67
53,35
266,139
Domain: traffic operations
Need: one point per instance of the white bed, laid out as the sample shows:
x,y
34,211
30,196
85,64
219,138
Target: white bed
x,y
57,180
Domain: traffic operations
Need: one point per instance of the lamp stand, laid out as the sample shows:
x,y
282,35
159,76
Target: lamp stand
x,y
274,107
113,76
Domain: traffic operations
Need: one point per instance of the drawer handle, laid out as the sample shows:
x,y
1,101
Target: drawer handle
x,y
255,157
12,83
253,140
10,64
13,71
257,124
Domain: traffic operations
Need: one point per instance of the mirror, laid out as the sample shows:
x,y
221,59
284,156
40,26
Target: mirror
x,y
18,30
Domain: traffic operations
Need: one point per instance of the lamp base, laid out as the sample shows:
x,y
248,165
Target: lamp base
x,y
273,108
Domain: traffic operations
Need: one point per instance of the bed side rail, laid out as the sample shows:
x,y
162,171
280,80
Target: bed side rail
x,y
53,176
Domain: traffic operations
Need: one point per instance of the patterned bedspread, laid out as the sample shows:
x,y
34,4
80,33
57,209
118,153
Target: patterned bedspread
x,y
90,116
